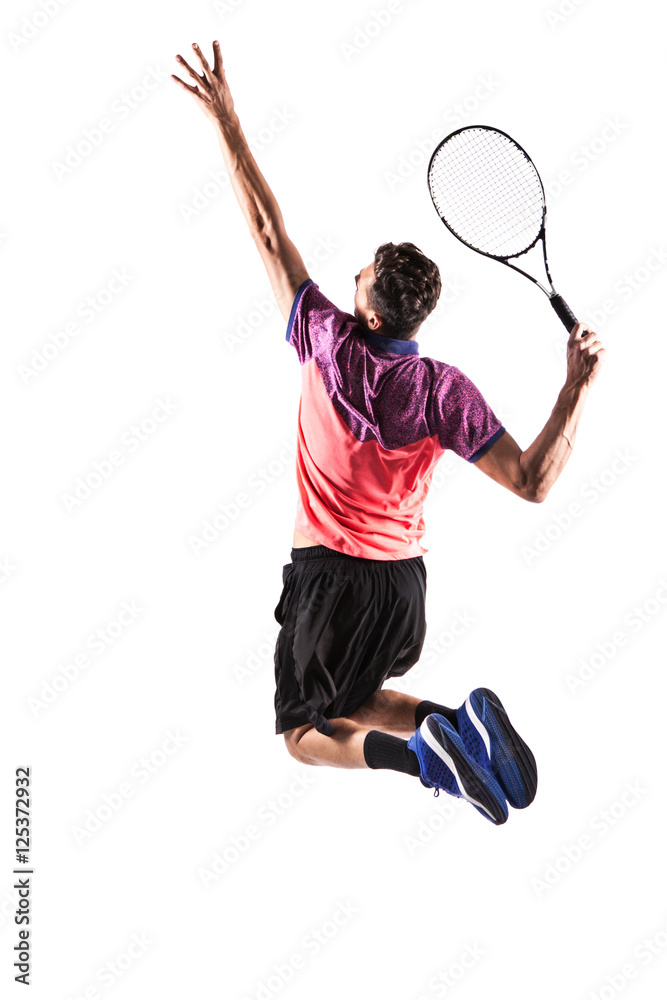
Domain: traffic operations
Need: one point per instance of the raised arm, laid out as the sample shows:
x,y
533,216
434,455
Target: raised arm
x,y
282,260
531,473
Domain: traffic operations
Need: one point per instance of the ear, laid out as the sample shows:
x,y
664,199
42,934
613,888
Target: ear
x,y
374,321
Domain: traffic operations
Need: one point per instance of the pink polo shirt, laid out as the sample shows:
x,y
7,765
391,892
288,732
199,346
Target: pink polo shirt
x,y
374,420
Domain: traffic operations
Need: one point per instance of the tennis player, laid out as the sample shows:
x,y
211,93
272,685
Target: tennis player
x,y
375,417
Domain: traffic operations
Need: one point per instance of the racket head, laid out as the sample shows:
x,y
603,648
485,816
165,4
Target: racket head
x,y
487,191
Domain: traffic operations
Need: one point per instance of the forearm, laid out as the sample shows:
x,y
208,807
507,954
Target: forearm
x,y
259,206
542,463
283,262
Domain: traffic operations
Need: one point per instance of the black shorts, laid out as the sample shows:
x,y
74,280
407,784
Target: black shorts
x,y
347,625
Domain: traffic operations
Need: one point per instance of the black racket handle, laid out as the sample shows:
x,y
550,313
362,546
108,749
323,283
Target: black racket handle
x,y
563,311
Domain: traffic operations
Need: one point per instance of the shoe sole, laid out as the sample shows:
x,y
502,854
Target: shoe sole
x,y
504,747
475,784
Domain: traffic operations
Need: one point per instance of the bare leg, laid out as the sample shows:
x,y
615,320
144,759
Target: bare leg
x,y
388,711
344,749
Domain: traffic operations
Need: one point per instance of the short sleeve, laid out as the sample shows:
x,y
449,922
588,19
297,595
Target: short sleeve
x,y
315,323
466,423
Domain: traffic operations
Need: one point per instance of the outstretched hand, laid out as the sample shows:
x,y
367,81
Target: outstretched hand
x,y
210,89
585,355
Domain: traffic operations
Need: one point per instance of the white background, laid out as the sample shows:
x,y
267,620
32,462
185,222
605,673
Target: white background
x,y
413,881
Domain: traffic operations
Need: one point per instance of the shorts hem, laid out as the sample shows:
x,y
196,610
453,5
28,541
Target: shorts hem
x,y
282,726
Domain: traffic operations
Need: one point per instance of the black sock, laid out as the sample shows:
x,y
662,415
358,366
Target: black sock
x,y
425,708
387,751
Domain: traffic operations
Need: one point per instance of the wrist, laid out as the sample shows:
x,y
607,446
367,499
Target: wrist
x,y
229,126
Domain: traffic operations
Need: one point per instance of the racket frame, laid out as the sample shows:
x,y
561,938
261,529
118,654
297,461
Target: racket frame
x,y
559,304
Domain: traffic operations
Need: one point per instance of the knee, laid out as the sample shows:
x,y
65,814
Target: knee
x,y
295,748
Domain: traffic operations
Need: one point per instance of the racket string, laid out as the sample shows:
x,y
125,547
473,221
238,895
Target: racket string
x,y
488,174
488,192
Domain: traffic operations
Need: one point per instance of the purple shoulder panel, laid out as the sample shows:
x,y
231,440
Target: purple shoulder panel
x,y
393,398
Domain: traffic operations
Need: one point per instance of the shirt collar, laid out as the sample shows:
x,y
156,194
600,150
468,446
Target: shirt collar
x,y
389,343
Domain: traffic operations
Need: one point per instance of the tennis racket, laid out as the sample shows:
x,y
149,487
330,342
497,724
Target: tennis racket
x,y
487,191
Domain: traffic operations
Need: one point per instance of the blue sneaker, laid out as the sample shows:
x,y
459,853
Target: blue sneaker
x,y
444,763
495,744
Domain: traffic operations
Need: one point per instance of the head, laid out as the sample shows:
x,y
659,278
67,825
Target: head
x,y
396,291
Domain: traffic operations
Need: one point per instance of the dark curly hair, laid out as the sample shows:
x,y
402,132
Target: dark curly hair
x,y
405,290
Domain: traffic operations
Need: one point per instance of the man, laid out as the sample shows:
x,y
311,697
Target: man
x,y
374,419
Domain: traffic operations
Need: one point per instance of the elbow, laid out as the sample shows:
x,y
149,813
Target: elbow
x,y
530,484
263,234
534,492
267,234
531,487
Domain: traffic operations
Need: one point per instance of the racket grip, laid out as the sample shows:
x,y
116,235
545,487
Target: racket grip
x,y
563,311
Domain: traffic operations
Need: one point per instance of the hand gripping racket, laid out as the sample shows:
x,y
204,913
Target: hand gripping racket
x,y
488,193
